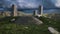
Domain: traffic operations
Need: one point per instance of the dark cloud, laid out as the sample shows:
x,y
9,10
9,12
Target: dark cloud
x,y
22,3
48,4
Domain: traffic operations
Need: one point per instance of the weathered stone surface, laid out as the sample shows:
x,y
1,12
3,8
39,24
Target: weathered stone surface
x,y
53,31
38,22
28,20
12,20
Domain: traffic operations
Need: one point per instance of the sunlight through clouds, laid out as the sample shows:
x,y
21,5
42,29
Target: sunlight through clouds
x,y
57,4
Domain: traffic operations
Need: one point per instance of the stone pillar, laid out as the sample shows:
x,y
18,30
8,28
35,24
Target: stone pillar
x,y
41,10
35,13
14,12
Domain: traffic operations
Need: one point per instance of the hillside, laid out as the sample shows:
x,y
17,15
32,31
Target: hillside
x,y
8,27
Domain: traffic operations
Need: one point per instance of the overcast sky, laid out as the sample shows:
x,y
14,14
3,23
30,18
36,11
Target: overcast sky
x,y
22,3
31,3
51,3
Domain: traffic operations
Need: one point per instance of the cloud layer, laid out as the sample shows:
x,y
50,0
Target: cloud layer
x,y
51,3
57,3
22,3
48,4
31,3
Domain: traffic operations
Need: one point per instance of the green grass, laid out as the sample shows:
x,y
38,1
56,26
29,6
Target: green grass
x,y
7,27
20,29
51,22
1,16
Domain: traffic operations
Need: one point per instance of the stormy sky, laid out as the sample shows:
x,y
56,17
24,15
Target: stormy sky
x,y
51,3
30,3
22,3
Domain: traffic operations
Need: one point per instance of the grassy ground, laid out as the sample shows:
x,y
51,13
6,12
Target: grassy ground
x,y
1,16
51,22
23,29
7,27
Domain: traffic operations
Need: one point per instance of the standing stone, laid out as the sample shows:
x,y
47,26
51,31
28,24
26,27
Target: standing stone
x,y
14,10
35,13
41,10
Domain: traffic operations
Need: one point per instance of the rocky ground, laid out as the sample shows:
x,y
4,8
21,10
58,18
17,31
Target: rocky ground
x,y
28,20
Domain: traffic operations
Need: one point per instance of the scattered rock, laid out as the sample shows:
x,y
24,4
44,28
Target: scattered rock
x,y
26,27
12,20
38,22
53,31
